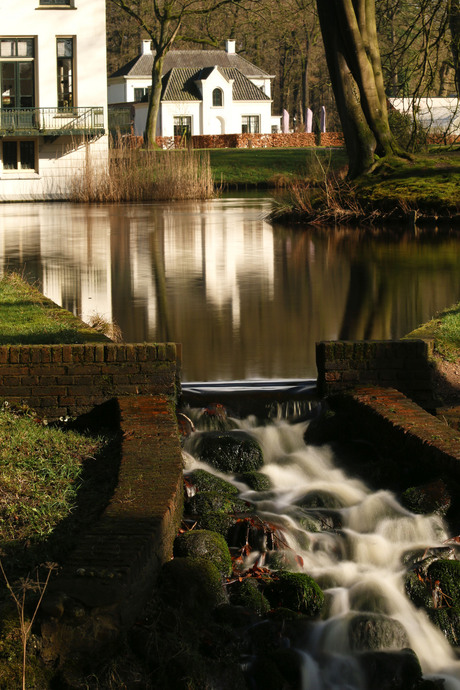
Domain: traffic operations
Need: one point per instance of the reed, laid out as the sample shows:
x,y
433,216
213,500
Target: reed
x,y
136,174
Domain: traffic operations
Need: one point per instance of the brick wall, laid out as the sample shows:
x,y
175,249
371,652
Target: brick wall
x,y
60,380
255,141
402,364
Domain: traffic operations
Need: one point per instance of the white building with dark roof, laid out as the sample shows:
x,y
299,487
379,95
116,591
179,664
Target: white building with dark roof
x,y
53,102
204,92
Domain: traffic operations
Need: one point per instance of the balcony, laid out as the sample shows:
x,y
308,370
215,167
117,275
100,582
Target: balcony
x,y
51,122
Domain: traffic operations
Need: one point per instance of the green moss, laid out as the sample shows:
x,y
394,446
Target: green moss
x,y
212,501
257,481
192,584
233,452
204,543
206,481
248,594
296,591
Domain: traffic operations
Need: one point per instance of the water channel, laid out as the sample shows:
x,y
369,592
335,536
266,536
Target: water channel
x,y
247,299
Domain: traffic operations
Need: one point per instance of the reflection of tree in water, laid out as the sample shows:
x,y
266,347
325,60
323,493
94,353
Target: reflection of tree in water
x,y
367,314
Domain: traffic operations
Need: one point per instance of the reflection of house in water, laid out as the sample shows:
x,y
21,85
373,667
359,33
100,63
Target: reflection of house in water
x,y
73,267
195,259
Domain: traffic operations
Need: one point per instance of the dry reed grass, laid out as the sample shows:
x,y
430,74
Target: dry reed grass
x,y
136,174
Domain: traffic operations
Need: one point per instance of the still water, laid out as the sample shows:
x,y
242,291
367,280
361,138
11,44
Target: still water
x,y
247,299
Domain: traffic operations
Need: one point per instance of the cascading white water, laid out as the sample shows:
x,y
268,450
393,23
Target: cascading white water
x,y
359,566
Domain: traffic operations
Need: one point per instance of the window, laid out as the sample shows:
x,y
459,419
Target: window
x,y
54,2
17,73
65,92
141,95
250,124
18,155
183,126
217,98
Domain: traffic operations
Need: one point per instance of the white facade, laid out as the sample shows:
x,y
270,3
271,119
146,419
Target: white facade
x,y
55,119
438,115
192,81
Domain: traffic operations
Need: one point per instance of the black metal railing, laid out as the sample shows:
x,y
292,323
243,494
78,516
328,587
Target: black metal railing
x,y
51,121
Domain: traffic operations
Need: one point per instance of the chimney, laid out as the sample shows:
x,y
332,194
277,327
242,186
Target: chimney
x,y
230,46
146,46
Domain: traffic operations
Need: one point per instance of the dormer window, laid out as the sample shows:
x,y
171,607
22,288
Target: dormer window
x,y
217,98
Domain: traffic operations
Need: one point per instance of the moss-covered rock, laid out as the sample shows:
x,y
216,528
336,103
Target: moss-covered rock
x,y
374,631
391,670
257,481
428,498
233,451
319,499
206,481
193,585
204,543
222,523
296,591
248,594
212,501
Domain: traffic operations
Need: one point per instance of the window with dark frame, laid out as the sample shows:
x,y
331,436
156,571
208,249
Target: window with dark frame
x,y
65,94
217,98
183,126
250,124
18,155
54,2
17,79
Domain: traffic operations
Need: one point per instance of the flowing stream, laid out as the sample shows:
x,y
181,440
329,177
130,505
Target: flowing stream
x,y
359,564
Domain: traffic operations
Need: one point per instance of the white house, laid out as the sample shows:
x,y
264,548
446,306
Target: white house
x,y
204,92
53,82
436,115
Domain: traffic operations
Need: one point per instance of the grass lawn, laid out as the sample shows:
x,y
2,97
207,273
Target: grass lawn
x,y
271,167
444,330
28,318
430,182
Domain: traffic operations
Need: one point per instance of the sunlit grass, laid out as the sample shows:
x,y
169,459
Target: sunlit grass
x,y
40,471
27,317
444,330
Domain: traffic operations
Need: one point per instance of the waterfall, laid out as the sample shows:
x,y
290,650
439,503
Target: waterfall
x,y
359,564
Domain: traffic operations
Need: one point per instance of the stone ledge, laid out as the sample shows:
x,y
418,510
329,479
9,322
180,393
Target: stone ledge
x,y
106,581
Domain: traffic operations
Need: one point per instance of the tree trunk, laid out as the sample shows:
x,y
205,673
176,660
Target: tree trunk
x,y
154,101
350,41
454,25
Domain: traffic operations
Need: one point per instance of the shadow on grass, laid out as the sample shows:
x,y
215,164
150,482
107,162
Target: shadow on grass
x,y
98,481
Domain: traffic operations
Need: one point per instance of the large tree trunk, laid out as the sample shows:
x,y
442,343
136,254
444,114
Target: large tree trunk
x,y
154,101
350,41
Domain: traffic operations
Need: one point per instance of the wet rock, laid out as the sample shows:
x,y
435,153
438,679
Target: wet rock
x,y
204,543
193,585
324,520
216,522
248,594
263,674
374,631
257,481
233,452
296,591
213,501
395,670
319,499
428,498
202,480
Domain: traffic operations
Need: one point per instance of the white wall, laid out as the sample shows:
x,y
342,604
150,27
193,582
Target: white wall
x,y
60,160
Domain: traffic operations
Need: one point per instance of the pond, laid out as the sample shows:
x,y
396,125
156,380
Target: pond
x,y
247,299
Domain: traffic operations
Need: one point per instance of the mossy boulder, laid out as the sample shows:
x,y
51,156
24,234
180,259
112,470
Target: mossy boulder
x,y
391,670
223,523
192,584
319,499
233,452
248,594
375,631
206,481
428,498
207,544
295,591
214,502
257,481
